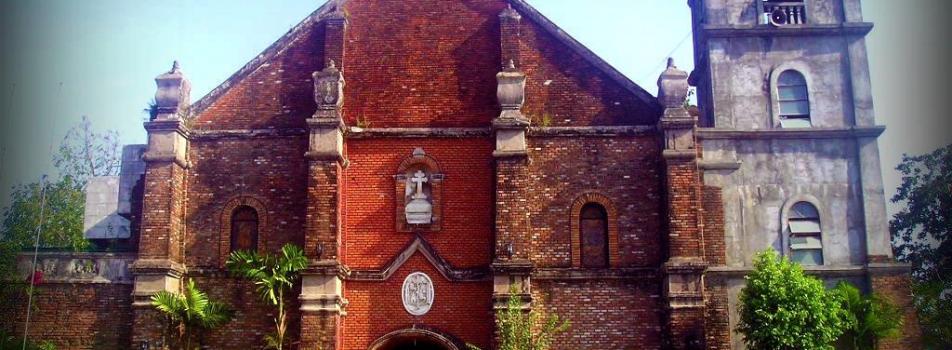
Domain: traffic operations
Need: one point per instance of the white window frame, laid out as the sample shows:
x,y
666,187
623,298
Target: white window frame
x,y
804,70
786,235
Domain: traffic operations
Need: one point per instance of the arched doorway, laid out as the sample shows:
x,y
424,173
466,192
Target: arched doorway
x,y
414,339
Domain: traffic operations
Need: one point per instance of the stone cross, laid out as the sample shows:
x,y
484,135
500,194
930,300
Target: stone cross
x,y
419,178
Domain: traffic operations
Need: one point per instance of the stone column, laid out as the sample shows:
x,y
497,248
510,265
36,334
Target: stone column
x,y
683,272
322,298
161,261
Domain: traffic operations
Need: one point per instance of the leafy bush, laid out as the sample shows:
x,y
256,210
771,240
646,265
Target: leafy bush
x,y
781,308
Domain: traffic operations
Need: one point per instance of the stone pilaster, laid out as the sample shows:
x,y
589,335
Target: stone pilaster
x,y
512,265
684,270
322,300
161,261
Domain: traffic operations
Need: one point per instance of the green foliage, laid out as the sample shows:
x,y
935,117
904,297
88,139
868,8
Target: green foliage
x,y
12,342
62,226
933,300
188,312
869,318
521,330
273,275
922,235
781,308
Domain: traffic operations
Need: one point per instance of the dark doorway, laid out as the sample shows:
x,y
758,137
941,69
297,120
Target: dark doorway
x,y
413,343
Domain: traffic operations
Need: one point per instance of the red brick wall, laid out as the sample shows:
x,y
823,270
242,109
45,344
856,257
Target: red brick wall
x,y
624,169
277,94
74,316
270,170
604,314
564,86
463,309
253,317
898,289
161,229
465,239
415,63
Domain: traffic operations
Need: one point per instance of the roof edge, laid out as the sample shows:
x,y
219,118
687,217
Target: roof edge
x,y
520,5
524,8
270,52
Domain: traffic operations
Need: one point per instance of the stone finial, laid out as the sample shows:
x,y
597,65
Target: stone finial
x,y
510,12
172,93
673,86
329,87
511,91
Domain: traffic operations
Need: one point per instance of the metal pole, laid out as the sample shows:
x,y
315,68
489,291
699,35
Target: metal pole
x,y
36,252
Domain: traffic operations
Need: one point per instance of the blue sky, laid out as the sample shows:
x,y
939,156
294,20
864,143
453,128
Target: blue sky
x,y
64,59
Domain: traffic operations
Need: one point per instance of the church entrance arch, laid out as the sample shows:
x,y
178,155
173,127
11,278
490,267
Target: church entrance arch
x,y
414,339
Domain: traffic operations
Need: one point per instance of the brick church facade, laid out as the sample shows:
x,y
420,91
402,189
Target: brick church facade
x,y
475,152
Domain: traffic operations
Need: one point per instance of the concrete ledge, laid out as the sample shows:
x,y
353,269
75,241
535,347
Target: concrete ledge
x,y
592,131
78,267
355,132
804,133
719,164
821,271
630,273
209,135
855,28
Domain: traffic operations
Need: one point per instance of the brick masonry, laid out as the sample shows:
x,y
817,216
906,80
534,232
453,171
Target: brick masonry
x,y
428,65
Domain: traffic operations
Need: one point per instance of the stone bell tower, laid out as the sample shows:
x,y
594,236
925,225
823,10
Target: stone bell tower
x,y
789,138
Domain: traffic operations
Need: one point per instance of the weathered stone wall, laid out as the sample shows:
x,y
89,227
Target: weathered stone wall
x,y
774,173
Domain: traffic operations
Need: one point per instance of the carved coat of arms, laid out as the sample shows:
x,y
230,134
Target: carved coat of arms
x,y
417,293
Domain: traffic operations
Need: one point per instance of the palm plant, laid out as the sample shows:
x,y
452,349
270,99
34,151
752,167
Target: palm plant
x,y
190,311
871,318
273,275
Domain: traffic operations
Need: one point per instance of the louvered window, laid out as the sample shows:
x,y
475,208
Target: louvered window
x,y
794,100
806,243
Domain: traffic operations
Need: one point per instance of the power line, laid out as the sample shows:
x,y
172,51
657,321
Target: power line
x,y
664,60
36,252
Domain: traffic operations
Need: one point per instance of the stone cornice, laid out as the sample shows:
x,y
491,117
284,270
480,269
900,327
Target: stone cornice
x,y
628,273
803,134
592,131
357,133
210,135
420,245
856,29
823,271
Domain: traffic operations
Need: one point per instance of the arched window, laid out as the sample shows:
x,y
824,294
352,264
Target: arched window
x,y
593,227
244,229
806,244
793,100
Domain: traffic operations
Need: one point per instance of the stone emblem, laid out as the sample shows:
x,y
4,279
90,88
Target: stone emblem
x,y
418,294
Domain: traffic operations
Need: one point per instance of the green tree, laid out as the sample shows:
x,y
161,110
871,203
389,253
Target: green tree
x,y
781,308
922,235
521,330
62,224
188,312
84,153
274,275
869,318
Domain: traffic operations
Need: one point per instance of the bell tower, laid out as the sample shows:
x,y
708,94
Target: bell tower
x,y
789,139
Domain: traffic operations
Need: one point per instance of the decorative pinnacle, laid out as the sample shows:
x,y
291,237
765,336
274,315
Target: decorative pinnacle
x,y
511,65
671,63
331,64
175,67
